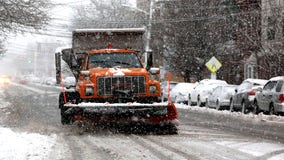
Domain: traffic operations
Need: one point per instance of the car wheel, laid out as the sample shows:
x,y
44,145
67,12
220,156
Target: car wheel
x,y
206,103
66,118
271,109
198,101
189,101
244,108
218,105
231,106
255,108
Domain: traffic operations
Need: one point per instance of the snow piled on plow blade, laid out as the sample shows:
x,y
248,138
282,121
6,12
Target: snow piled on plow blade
x,y
119,109
154,113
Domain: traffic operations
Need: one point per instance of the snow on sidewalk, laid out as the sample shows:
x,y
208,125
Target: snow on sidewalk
x,y
21,146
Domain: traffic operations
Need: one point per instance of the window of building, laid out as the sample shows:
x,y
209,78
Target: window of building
x,y
251,71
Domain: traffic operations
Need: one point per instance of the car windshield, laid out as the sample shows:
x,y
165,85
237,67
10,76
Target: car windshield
x,y
114,60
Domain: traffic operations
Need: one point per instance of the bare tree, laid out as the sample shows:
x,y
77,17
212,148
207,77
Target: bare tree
x,y
100,14
194,30
17,15
261,37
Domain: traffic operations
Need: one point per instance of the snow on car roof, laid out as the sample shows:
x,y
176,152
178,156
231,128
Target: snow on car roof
x,y
183,86
257,81
277,78
211,81
110,30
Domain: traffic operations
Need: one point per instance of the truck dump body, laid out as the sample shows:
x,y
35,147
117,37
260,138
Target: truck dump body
x,y
90,39
112,84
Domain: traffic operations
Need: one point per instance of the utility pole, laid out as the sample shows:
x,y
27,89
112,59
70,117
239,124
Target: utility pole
x,y
149,27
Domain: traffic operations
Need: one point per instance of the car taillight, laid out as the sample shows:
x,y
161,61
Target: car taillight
x,y
251,93
281,97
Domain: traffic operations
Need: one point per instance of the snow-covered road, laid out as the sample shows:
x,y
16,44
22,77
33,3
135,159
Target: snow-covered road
x,y
192,142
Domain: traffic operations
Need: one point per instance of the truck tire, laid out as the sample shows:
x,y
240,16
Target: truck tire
x,y
169,129
65,118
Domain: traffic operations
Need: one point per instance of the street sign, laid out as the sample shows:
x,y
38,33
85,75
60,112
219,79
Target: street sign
x,y
213,65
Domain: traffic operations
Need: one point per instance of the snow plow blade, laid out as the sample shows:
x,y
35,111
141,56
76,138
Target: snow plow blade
x,y
155,113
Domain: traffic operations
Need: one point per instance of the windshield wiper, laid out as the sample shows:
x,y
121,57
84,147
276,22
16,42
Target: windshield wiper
x,y
125,63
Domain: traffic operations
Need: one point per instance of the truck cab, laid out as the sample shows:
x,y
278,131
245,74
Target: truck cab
x,y
116,75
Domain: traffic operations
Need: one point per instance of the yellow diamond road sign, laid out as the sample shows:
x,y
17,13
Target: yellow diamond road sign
x,y
213,64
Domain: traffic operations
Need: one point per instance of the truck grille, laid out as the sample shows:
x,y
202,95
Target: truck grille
x,y
106,85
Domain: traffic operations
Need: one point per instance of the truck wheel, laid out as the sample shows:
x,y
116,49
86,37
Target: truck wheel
x,y
170,129
61,101
66,118
167,129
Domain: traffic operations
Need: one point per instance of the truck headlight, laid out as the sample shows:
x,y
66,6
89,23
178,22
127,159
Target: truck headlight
x,y
89,91
153,89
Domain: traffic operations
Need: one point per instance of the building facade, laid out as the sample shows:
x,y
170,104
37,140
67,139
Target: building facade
x,y
271,55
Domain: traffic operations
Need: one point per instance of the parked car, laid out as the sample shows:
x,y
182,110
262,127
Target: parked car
x,y
179,94
244,96
270,99
220,97
165,88
201,91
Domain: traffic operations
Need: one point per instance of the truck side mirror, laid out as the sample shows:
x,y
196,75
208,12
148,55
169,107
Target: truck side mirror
x,y
149,59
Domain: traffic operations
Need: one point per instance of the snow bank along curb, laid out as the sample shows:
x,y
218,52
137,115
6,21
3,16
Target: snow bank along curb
x,y
270,126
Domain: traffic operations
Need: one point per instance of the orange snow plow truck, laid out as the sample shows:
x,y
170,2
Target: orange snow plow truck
x,y
112,85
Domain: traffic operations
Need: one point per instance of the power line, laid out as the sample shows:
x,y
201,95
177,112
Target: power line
x,y
175,20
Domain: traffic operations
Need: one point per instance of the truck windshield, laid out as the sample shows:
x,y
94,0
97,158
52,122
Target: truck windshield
x,y
114,60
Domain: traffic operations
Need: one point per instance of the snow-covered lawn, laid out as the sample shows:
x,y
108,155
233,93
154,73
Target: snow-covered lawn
x,y
22,145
